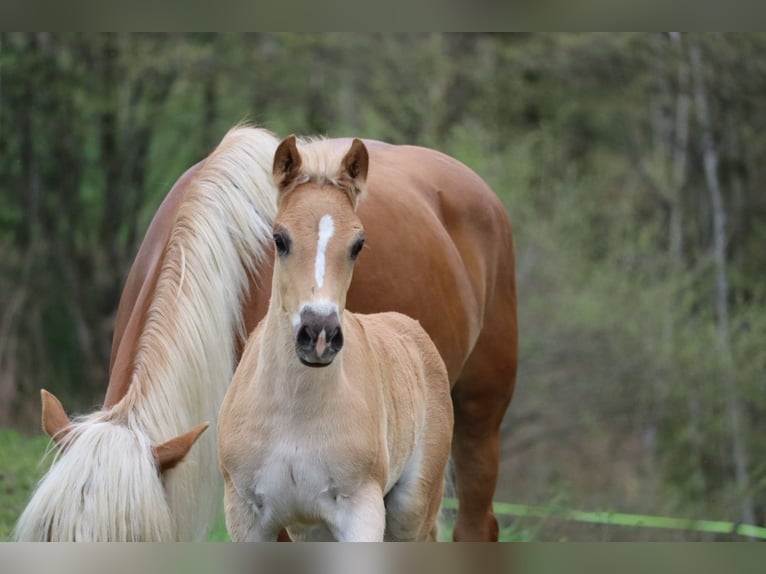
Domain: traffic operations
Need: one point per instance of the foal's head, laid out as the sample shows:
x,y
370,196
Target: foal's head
x,y
317,236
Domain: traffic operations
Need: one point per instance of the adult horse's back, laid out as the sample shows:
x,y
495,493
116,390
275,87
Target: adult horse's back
x,y
443,254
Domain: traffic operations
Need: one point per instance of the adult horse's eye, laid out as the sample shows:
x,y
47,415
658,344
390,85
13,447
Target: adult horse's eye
x,y
357,247
282,243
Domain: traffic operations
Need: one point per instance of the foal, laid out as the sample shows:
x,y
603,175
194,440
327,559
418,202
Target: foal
x,y
336,425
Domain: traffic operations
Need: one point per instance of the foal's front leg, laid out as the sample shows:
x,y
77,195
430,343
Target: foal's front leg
x,y
360,517
241,522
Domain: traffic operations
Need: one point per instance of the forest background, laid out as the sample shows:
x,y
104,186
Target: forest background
x,y
632,166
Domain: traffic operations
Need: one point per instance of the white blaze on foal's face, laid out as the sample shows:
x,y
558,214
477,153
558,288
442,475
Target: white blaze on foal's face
x,y
326,229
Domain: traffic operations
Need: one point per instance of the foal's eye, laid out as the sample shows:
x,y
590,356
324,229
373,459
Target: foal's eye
x,y
356,248
282,243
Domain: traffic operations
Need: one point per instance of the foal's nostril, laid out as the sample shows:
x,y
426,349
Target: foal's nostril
x,y
305,338
335,339
319,336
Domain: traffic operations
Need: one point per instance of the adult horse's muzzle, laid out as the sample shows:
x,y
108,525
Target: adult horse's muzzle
x,y
318,338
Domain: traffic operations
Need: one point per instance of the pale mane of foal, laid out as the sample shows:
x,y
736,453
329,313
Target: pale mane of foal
x,y
105,486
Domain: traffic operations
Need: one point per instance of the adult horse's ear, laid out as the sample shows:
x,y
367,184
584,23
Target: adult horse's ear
x,y
56,423
354,169
170,453
287,163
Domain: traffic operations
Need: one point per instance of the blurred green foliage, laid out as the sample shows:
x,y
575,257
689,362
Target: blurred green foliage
x,y
620,400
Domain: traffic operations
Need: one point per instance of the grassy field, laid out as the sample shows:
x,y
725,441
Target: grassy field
x,y
21,468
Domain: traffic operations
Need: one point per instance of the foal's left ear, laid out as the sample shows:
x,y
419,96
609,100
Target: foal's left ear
x,y
170,453
287,163
354,169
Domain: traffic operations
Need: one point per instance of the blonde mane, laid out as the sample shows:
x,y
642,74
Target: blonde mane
x,y
75,502
186,353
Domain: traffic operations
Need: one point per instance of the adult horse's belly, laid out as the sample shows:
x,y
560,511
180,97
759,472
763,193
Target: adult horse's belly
x,y
411,265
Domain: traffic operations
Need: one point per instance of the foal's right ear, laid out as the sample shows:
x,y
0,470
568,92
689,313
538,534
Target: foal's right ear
x,y
170,453
55,421
287,163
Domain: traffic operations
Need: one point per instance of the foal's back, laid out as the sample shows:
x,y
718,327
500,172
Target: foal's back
x,y
413,382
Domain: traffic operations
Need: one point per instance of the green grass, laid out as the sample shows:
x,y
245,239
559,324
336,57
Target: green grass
x,y
20,469
219,533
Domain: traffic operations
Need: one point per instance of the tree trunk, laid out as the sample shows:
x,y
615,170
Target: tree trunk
x,y
108,62
735,421
678,177
680,154
209,105
670,127
1,79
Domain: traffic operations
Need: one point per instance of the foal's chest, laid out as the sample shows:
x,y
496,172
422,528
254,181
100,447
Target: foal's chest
x,y
302,478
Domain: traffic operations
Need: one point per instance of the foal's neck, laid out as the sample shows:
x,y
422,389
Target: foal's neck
x,y
280,365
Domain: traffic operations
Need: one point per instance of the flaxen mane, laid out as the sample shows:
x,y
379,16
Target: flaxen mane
x,y
184,361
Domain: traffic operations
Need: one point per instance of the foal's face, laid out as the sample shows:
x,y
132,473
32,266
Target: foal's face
x,y
317,236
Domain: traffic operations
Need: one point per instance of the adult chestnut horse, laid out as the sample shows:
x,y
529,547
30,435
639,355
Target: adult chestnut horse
x,y
440,251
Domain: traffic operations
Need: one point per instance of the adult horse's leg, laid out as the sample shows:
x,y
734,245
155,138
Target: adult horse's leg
x,y
480,398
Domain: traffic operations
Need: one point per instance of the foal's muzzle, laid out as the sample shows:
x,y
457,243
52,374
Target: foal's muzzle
x,y
318,338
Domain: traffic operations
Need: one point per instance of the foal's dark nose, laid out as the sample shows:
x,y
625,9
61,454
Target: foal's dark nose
x,y
319,337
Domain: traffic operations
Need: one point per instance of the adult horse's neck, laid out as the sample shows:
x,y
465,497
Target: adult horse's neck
x,y
181,338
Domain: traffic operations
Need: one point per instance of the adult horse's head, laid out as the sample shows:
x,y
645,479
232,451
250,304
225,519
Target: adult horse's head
x,y
106,483
317,237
